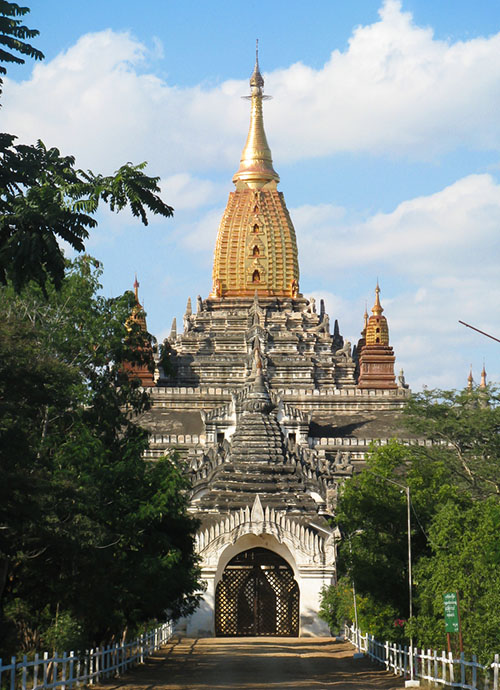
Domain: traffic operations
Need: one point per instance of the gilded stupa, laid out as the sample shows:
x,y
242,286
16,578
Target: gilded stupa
x,y
256,249
261,398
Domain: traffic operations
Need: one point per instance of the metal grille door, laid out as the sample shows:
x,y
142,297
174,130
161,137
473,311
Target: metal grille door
x,y
257,595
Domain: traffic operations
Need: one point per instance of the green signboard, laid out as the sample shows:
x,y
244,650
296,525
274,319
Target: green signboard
x,y
451,612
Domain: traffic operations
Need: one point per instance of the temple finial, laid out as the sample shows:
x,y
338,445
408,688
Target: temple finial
x,y
173,329
377,307
365,320
257,80
256,164
470,379
136,289
483,383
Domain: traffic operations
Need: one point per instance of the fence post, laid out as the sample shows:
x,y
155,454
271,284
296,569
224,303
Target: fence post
x,y
474,671
64,664
45,667
97,665
55,667
495,665
35,670
443,666
25,671
13,673
452,670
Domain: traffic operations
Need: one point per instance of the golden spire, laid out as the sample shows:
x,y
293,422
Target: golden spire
x,y
470,379
365,318
256,164
377,330
377,308
256,249
136,289
482,385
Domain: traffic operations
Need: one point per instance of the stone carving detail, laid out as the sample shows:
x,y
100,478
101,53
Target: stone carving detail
x,y
309,546
344,351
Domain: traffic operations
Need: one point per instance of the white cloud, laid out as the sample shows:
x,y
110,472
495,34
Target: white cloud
x,y
442,251
200,235
449,231
395,90
186,192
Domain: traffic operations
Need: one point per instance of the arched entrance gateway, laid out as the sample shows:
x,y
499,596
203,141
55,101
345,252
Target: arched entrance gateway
x,y
257,595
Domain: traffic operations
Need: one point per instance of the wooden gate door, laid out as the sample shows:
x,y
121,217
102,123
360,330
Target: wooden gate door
x,y
257,595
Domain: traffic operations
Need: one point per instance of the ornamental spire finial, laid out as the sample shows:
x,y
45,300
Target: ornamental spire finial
x,y
470,379
256,164
257,80
377,307
365,321
483,383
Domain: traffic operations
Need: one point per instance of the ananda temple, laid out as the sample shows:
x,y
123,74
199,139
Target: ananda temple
x,y
271,410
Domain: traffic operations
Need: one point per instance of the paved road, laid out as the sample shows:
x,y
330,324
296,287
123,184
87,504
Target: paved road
x,y
257,664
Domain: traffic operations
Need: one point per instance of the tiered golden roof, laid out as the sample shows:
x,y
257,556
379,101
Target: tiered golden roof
x,y
377,330
256,249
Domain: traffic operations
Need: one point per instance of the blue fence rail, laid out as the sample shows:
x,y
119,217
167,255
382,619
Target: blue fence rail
x,y
73,669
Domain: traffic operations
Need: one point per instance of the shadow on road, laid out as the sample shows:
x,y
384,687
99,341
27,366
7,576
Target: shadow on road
x,y
257,664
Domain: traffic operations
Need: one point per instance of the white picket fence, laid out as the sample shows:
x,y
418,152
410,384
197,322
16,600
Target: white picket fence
x,y
71,669
432,666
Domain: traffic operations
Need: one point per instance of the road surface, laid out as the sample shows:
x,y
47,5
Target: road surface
x,y
257,663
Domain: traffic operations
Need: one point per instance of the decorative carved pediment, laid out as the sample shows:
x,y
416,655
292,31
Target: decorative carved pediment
x,y
309,545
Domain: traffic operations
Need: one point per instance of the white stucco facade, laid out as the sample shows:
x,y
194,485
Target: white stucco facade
x,y
309,551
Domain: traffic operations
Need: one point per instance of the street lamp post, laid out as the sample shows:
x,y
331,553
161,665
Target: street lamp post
x,y
412,682
359,654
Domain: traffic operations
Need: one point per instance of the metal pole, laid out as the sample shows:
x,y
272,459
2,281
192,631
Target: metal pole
x,y
356,619
477,329
410,596
412,683
359,654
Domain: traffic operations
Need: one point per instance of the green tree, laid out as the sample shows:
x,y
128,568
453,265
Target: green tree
x,y
464,428
372,515
93,540
13,34
465,558
44,198
453,480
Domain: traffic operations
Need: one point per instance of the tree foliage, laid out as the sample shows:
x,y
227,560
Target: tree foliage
x,y
93,540
13,35
44,198
465,557
464,427
453,481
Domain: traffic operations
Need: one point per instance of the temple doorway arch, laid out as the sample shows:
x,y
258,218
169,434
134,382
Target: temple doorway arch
x,y
257,595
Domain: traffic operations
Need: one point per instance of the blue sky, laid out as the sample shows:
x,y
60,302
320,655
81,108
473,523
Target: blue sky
x,y
384,128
